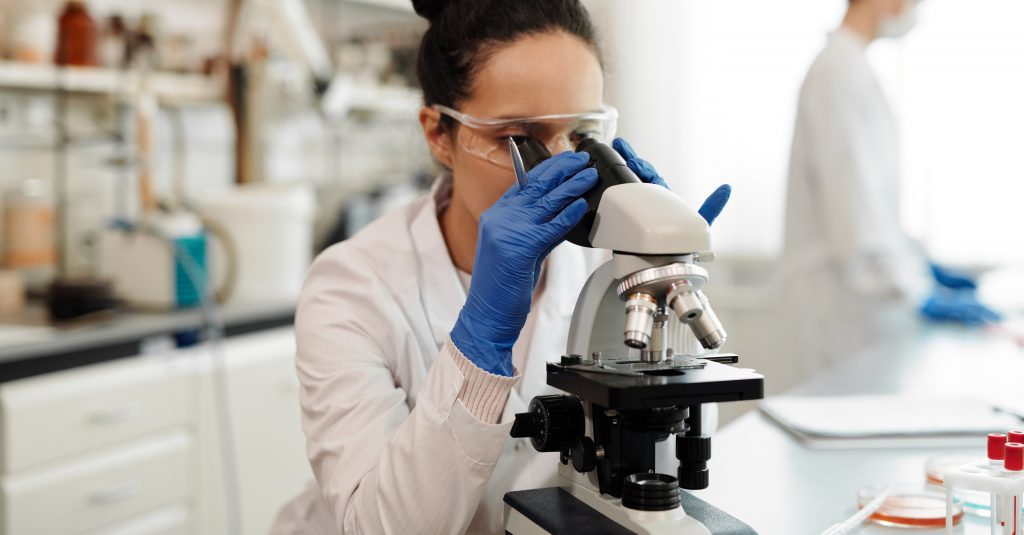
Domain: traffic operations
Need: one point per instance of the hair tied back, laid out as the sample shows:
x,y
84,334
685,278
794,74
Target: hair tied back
x,y
429,9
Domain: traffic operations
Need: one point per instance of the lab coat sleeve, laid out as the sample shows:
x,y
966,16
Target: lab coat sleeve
x,y
383,468
849,166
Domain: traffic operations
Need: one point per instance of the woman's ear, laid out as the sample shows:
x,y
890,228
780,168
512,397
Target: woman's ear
x,y
438,140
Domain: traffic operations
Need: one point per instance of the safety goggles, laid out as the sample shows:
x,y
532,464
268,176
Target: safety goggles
x,y
488,138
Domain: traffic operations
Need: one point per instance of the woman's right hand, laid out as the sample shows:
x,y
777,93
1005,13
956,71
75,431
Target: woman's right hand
x,y
515,235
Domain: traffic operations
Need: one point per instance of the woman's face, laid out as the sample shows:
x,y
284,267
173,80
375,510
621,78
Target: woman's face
x,y
544,74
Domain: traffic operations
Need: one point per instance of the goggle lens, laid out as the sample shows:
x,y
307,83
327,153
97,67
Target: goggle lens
x,y
488,138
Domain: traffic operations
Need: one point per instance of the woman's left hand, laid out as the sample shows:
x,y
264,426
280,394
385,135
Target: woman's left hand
x,y
712,206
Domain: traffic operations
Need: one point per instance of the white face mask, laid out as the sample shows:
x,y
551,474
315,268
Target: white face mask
x,y
899,25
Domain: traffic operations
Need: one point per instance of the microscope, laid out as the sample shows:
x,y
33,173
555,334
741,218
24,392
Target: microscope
x,y
628,389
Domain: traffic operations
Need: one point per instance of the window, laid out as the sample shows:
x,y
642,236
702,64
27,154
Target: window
x,y
960,101
708,89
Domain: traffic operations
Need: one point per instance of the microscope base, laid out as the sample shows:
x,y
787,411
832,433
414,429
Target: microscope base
x,y
555,511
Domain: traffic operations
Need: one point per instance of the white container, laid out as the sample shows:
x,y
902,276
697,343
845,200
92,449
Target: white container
x,y
144,263
271,228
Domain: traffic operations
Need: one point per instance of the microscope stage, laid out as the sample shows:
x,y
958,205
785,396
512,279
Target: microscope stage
x,y
709,382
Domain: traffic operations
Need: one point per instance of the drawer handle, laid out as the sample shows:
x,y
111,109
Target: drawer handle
x,y
116,493
118,413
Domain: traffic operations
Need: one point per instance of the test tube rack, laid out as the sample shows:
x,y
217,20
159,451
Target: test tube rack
x,y
1002,476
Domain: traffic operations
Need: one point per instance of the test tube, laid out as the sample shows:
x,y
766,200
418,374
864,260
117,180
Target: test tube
x,y
996,447
1006,513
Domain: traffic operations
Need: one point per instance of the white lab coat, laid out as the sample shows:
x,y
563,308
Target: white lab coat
x,y
849,275
403,433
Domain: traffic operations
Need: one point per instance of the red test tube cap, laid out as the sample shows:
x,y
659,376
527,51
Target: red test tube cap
x,y
1016,436
1014,456
996,444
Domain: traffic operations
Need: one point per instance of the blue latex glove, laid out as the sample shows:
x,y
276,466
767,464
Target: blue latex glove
x,y
712,206
952,279
959,306
515,234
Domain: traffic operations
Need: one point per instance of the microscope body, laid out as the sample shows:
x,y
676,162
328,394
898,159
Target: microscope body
x,y
628,388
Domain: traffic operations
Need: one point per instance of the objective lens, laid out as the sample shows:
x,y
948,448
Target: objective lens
x,y
708,329
686,304
693,309
640,309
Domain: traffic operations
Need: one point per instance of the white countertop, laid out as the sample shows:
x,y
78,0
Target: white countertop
x,y
29,336
765,477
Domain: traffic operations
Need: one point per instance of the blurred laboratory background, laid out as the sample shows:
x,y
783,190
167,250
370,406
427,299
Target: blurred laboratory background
x,y
168,170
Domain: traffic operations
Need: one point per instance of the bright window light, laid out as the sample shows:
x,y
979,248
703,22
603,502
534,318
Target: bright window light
x,y
961,106
708,91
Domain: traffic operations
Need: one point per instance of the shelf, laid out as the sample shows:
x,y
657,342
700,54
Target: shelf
x,y
386,100
344,97
168,87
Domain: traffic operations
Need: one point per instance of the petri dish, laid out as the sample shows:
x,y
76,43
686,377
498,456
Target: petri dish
x,y
910,506
975,502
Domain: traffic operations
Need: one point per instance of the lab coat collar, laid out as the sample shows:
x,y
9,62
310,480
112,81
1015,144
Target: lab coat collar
x,y
850,38
440,289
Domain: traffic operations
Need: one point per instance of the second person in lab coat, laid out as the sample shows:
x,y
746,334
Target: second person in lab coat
x,y
850,273
420,337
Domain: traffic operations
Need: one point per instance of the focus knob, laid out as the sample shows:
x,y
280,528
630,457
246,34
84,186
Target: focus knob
x,y
553,423
693,449
584,455
693,453
695,479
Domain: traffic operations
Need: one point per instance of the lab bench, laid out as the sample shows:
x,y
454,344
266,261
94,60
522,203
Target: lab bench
x,y
30,346
107,428
763,475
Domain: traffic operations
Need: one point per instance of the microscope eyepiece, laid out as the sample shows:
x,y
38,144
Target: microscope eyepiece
x,y
611,171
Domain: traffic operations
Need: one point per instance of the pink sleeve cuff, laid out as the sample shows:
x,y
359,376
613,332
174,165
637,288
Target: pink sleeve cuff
x,y
482,393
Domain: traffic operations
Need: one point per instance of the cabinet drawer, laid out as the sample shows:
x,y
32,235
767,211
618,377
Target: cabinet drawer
x,y
99,490
57,415
174,520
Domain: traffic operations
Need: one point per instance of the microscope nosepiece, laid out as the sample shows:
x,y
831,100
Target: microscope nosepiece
x,y
640,310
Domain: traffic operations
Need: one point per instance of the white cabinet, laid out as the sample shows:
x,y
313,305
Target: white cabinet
x,y
56,415
173,520
268,444
96,490
134,446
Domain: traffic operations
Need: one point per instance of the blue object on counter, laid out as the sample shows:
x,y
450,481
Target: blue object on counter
x,y
959,306
191,274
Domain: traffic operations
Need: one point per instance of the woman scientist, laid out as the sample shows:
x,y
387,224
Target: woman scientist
x,y
410,368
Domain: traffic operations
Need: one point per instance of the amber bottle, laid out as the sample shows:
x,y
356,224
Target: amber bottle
x,y
76,36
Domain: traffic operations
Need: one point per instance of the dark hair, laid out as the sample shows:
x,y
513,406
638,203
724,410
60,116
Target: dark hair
x,y
464,33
